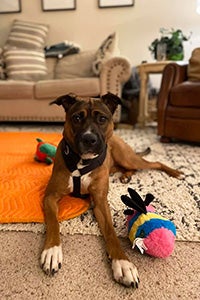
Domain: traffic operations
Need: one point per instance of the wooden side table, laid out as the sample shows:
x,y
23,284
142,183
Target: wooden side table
x,y
144,70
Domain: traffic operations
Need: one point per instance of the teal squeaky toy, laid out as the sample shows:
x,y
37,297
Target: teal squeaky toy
x,y
149,231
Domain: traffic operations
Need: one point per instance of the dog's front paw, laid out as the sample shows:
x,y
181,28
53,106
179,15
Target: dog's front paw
x,y
51,260
125,272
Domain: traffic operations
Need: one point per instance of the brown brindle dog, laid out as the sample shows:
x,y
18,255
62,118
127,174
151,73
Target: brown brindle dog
x,y
87,153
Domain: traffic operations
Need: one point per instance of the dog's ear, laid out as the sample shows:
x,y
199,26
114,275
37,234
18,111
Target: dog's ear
x,y
111,101
65,100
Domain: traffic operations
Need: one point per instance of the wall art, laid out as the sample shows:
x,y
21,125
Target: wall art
x,y
10,6
115,3
54,5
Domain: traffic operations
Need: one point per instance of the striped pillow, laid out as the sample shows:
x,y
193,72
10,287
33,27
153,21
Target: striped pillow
x,y
25,64
27,35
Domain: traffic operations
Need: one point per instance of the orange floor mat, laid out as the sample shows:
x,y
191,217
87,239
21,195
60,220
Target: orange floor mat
x,y
23,180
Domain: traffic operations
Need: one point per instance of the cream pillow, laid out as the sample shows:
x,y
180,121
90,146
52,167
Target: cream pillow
x,y
25,64
75,65
108,49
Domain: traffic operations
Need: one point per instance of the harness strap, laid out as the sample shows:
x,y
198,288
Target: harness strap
x,y
72,159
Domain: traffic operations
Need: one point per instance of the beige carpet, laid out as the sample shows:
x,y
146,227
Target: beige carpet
x,y
86,272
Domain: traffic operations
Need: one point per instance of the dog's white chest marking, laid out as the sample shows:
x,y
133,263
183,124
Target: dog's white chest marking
x,y
85,179
85,182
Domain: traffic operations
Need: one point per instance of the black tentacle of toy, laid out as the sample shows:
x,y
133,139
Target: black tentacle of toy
x,y
148,199
128,212
131,203
136,202
127,201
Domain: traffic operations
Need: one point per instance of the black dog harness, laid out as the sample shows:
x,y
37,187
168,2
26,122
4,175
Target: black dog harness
x,y
72,160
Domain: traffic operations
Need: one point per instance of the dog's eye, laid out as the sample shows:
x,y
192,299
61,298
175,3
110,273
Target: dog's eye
x,y
101,119
77,118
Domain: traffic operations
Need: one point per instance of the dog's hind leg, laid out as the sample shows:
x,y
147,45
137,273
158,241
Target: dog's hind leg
x,y
124,156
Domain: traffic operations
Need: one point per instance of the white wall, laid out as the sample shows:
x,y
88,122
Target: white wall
x,y
137,26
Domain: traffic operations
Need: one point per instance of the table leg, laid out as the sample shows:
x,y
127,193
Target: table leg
x,y
143,100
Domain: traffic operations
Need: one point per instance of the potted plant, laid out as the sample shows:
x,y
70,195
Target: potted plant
x,y
173,42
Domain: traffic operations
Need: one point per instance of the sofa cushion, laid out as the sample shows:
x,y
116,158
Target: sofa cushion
x,y
185,94
107,49
25,64
13,89
27,35
75,65
183,112
54,88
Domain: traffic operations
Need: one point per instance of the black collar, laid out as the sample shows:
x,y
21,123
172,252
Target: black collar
x,y
72,159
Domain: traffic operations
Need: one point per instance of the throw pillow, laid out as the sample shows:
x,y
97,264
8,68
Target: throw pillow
x,y
25,64
107,49
193,70
2,66
27,35
76,65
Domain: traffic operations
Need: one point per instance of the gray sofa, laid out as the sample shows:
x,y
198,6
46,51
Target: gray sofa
x,y
22,100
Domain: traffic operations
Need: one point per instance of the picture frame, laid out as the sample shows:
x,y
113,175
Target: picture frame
x,y
10,6
58,5
115,3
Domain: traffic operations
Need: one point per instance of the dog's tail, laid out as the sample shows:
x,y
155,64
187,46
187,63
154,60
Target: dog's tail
x,y
145,152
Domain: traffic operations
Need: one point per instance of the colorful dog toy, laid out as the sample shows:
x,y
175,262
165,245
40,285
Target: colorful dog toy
x,y
150,232
45,152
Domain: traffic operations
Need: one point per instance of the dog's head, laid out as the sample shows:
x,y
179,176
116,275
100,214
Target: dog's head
x,y
89,122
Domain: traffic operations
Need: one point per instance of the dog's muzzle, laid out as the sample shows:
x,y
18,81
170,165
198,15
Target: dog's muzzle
x,y
90,143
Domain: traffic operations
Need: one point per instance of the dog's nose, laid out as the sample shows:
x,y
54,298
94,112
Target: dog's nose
x,y
89,139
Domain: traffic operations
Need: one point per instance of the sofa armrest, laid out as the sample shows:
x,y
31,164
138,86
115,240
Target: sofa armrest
x,y
173,74
115,71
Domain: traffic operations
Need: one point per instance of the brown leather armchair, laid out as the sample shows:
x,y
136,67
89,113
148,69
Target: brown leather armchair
x,y
178,105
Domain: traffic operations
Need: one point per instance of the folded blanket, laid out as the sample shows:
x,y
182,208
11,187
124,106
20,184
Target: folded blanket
x,y
23,180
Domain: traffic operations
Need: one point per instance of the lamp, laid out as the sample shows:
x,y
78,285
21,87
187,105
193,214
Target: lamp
x,y
198,7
